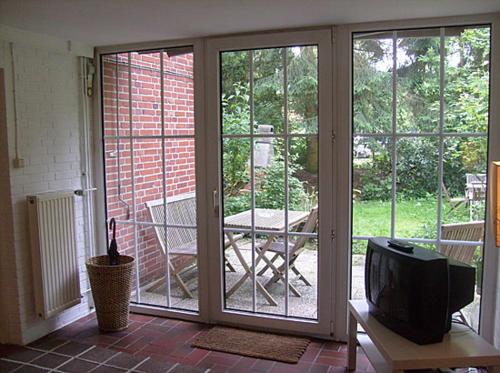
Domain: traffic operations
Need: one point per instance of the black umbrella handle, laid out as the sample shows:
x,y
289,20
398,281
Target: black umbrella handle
x,y
112,225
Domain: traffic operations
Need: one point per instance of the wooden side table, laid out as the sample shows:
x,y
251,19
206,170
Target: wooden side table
x,y
389,352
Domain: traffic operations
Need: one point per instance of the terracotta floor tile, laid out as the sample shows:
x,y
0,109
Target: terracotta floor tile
x,y
332,361
47,343
30,369
279,367
25,355
98,354
166,344
105,369
262,365
72,348
321,368
153,366
310,355
124,360
7,366
196,356
141,318
181,368
50,360
77,366
332,354
244,364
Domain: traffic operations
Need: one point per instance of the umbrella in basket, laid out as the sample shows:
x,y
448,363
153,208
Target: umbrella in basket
x,y
113,247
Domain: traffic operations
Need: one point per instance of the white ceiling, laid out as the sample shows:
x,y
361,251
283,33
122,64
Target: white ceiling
x,y
105,22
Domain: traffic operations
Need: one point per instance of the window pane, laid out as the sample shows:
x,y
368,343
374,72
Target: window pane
x,y
236,176
115,83
238,294
358,269
303,278
372,84
268,90
235,95
270,274
146,96
302,67
269,178
303,188
178,83
417,188
148,176
418,82
118,173
467,79
464,180
372,186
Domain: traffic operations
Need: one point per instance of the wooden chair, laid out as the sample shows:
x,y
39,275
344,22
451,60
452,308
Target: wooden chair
x,y
295,247
470,231
182,242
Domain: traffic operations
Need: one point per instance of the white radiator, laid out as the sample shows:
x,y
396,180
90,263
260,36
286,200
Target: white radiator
x,y
53,251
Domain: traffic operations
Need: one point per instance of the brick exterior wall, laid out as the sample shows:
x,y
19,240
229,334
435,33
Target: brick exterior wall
x,y
147,152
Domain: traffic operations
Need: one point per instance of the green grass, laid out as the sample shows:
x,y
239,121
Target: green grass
x,y
414,218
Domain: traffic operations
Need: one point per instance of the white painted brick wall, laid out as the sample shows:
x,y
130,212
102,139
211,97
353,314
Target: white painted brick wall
x,y
48,102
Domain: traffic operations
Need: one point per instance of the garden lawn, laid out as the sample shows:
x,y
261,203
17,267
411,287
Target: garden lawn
x,y
414,218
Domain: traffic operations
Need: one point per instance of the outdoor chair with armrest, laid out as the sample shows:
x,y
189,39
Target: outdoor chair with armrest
x,y
472,231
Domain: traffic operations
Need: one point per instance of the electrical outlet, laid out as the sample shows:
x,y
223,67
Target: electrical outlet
x,y
19,163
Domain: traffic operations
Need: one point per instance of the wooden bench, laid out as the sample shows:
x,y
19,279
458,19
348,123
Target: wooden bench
x,y
181,239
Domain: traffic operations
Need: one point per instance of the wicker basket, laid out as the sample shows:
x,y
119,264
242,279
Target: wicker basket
x,y
111,287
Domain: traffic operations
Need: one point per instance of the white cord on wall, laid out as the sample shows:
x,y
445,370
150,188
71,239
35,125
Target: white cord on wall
x,y
18,162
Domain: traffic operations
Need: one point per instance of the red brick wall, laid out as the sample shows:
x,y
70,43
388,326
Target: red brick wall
x,y
147,152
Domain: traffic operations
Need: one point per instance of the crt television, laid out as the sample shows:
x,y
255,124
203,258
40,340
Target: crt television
x,y
414,291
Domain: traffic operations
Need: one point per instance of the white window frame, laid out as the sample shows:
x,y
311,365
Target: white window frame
x,y
344,38
198,136
322,38
341,152
440,134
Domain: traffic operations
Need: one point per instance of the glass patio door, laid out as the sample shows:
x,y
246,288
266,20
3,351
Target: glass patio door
x,y
150,159
270,137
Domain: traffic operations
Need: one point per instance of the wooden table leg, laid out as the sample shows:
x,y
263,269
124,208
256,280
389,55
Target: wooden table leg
x,y
248,273
352,342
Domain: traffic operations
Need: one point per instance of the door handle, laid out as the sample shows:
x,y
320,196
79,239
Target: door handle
x,y
215,201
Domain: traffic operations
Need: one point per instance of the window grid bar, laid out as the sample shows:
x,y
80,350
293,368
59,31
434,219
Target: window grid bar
x,y
151,224
441,140
252,178
427,240
265,135
132,176
164,184
117,110
285,130
393,134
149,137
423,134
118,158
270,232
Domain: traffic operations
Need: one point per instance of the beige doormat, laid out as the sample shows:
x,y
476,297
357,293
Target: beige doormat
x,y
254,344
